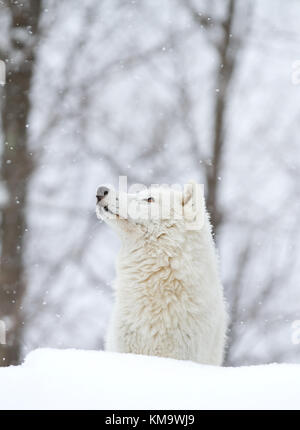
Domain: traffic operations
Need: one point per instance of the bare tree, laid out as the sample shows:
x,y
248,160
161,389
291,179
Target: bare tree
x,y
227,47
247,311
16,167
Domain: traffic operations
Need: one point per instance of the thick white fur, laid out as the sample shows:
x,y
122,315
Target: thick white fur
x,y
168,299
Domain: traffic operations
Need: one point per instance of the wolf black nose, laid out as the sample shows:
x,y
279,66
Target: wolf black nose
x,y
101,193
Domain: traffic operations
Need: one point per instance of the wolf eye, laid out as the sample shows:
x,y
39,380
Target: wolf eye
x,y
150,200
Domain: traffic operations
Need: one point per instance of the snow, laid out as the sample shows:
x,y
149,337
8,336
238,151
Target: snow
x,y
75,379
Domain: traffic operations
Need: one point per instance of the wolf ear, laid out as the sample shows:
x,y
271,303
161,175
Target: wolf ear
x,y
193,205
188,192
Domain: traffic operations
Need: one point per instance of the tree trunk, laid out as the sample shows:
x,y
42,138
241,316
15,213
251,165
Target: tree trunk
x,y
16,170
224,76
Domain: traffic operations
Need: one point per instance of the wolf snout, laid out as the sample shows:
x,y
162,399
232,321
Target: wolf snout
x,y
101,193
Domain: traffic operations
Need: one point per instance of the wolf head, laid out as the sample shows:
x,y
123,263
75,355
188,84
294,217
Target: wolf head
x,y
153,211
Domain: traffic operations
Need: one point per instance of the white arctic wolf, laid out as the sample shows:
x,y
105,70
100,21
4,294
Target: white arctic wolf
x,y
169,299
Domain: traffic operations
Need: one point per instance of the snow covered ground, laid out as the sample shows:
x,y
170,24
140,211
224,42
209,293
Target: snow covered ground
x,y
73,379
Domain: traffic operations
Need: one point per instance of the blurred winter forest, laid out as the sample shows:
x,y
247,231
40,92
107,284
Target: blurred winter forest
x,y
161,91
